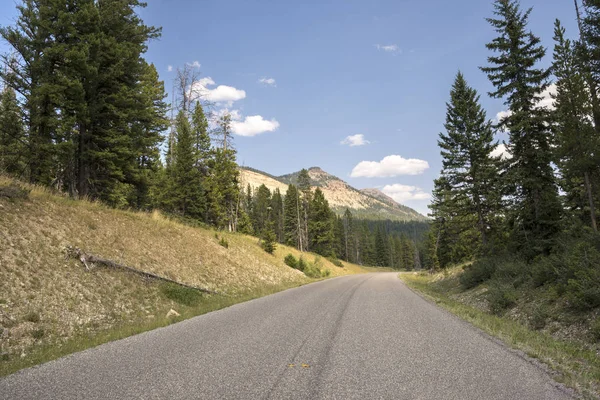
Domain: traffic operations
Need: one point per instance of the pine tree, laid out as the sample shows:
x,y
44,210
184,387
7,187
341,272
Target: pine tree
x,y
468,165
12,135
578,147
349,242
32,72
536,211
222,184
381,250
187,191
268,238
277,215
261,209
320,225
292,226
151,121
304,187
202,143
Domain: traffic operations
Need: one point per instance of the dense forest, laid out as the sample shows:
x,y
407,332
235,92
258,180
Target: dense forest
x,y
528,215
83,112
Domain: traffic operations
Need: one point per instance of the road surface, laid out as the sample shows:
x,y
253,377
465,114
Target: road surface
x,y
356,337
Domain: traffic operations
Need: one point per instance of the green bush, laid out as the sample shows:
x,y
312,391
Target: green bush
x,y
325,273
501,297
335,262
223,242
511,271
38,333
546,270
302,265
181,295
583,289
478,272
291,261
312,271
538,318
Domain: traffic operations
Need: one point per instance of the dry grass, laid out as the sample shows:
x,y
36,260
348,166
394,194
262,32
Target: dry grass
x,y
46,300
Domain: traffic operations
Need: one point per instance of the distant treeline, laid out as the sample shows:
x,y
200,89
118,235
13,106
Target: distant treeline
x,y
302,218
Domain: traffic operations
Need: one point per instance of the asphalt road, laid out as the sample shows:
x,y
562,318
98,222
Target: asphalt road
x,y
356,337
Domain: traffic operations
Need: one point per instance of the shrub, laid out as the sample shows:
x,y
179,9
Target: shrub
x,y
268,242
223,242
511,271
14,191
595,330
325,273
302,265
478,272
312,271
501,297
181,295
37,333
538,318
291,261
583,289
335,262
32,317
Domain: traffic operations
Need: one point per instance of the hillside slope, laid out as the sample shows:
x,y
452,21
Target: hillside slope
x,y
366,203
47,299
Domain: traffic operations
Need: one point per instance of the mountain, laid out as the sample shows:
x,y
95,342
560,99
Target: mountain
x,y
366,203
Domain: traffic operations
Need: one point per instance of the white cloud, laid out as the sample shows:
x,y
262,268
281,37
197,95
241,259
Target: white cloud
x,y
401,193
546,101
390,166
195,64
355,140
501,151
389,48
219,94
253,125
268,81
170,68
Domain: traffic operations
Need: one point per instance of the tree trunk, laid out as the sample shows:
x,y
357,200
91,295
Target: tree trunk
x,y
588,189
82,164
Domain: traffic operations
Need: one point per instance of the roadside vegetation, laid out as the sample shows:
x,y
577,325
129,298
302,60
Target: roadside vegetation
x,y
50,305
534,320
520,216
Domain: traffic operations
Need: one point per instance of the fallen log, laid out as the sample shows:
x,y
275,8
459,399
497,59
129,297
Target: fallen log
x,y
87,259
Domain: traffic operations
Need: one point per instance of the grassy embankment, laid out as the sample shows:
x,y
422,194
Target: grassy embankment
x,y
562,339
51,306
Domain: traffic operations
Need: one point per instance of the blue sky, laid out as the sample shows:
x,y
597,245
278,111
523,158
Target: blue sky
x,y
333,69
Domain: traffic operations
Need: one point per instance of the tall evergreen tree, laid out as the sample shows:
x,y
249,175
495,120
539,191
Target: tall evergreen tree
x,y
578,143
349,242
202,142
468,165
304,187
13,151
277,215
187,192
320,225
147,130
292,225
261,209
536,211
222,184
